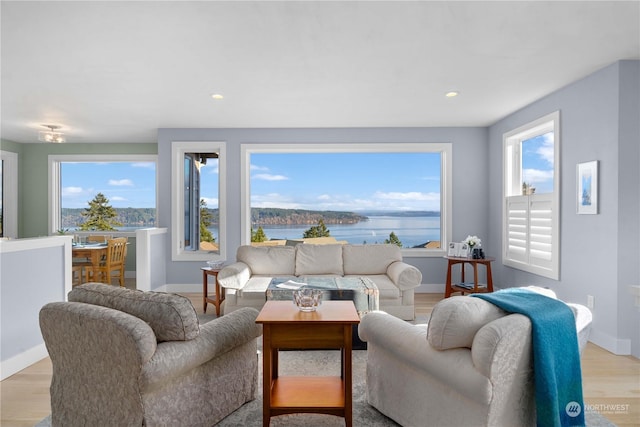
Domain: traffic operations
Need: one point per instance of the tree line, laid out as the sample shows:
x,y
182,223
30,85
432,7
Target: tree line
x,y
146,217
101,216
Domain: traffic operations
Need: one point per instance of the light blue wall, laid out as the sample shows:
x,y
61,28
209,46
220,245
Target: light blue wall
x,y
470,165
599,121
629,202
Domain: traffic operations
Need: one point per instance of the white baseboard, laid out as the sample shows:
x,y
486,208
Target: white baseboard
x,y
617,346
181,287
430,288
23,360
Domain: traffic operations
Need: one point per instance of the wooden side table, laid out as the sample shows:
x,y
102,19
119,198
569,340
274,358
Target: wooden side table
x,y
451,287
286,327
219,296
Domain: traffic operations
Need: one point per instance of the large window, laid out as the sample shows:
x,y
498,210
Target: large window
x,y
364,193
127,182
531,197
8,194
198,223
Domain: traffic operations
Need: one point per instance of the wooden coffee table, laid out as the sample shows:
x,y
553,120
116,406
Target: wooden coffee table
x,y
285,327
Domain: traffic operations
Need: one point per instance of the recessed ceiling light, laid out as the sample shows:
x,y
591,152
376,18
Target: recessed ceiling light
x,y
452,94
217,96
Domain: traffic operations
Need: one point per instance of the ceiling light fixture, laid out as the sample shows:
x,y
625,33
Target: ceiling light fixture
x,y
217,96
51,135
452,94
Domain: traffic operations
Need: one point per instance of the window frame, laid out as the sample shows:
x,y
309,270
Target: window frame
x,y
178,150
55,181
9,193
446,160
532,207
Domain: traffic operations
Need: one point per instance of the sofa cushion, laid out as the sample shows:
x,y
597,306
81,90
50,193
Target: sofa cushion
x,y
318,259
369,259
454,321
268,260
172,317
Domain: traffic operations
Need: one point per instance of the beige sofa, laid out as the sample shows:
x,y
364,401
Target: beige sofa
x,y
471,366
246,280
129,358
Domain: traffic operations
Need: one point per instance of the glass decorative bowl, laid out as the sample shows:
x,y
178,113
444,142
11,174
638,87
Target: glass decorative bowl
x,y
215,265
307,299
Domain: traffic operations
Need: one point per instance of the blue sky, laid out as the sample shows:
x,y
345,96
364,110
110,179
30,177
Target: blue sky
x,y
125,184
346,181
315,181
537,162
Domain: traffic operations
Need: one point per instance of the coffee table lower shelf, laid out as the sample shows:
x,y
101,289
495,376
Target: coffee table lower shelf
x,y
308,394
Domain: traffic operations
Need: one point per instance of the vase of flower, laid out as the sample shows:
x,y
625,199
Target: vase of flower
x,y
473,243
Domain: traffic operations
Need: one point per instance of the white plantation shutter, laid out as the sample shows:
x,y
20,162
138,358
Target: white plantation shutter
x,y
517,226
531,236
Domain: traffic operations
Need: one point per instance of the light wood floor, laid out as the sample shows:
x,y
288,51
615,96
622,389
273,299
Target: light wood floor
x,y
611,384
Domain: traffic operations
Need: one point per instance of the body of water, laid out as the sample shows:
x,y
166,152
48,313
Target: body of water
x,y
411,231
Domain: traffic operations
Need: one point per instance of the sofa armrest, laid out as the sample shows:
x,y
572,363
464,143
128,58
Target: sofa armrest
x,y
234,276
219,336
404,276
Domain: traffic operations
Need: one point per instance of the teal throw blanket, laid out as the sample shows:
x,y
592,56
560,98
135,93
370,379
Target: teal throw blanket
x,y
556,358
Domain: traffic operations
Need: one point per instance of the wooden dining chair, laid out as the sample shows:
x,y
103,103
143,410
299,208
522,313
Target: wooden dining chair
x,y
79,269
114,262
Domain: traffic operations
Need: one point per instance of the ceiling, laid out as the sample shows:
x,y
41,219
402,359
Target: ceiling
x,y
117,71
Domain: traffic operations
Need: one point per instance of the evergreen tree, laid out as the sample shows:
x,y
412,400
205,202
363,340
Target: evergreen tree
x,y
100,215
393,239
258,235
205,222
319,230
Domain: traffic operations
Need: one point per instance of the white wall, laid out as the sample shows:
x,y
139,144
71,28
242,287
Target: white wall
x,y
599,116
33,272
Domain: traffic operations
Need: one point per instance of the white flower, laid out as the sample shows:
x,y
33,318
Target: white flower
x,y
472,241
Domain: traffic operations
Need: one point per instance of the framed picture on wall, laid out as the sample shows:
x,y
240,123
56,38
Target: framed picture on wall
x,y
587,188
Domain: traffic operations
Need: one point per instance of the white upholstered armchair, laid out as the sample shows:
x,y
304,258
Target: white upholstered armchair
x,y
471,366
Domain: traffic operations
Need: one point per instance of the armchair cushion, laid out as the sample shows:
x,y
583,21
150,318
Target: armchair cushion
x,y
318,259
455,321
170,316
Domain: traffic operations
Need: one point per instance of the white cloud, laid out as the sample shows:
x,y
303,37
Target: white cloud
x,y
546,151
258,168
117,199
536,176
269,177
212,202
411,195
68,191
121,182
